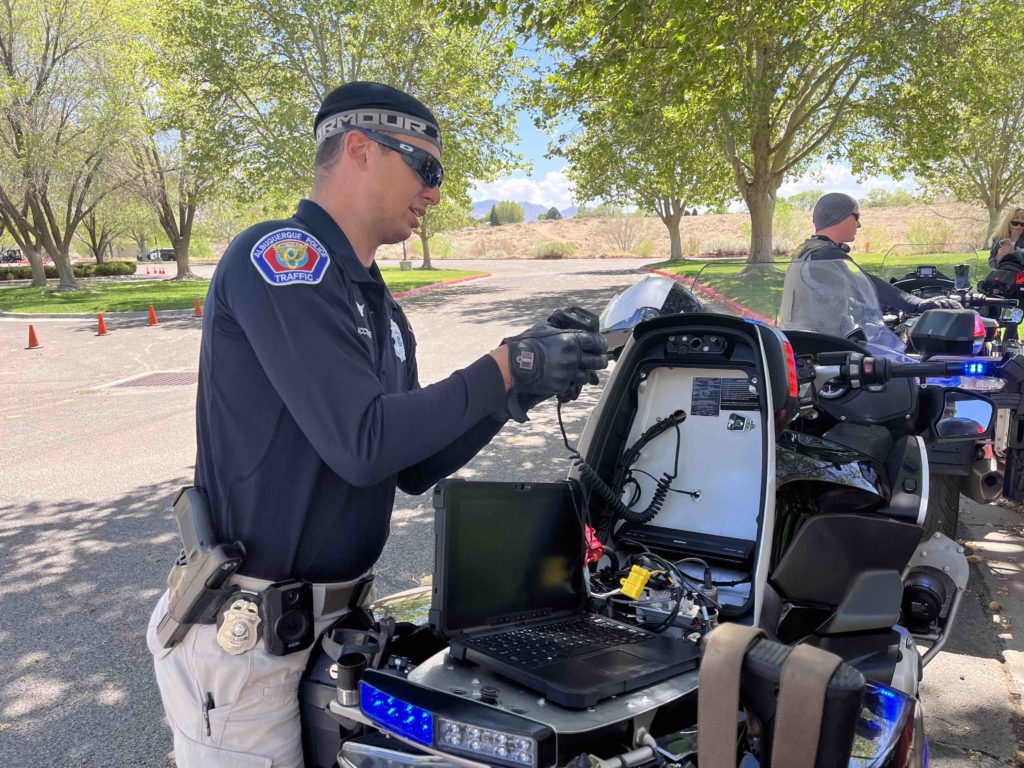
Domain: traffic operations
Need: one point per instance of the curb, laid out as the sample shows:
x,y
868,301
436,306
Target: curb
x,y
190,312
92,315
709,291
435,286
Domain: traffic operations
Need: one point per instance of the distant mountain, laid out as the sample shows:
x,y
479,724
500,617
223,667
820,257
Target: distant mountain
x,y
532,211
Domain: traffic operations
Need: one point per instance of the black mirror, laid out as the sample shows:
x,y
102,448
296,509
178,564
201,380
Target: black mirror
x,y
965,415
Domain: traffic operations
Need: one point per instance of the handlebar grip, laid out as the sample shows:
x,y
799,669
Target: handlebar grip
x,y
913,370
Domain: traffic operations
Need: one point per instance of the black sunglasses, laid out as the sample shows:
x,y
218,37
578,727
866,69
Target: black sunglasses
x,y
427,167
1017,223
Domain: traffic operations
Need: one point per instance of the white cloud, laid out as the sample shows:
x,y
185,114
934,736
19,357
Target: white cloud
x,y
833,177
554,189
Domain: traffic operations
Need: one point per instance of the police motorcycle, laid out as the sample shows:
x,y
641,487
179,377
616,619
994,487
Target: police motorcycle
x,y
931,271
975,470
713,494
729,475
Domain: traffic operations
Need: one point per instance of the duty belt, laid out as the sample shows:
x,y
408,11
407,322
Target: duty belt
x,y
327,598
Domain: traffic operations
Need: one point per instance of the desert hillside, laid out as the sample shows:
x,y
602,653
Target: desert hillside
x,y
708,235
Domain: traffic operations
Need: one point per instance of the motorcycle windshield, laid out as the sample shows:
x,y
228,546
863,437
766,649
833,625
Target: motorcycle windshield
x,y
639,302
932,269
833,297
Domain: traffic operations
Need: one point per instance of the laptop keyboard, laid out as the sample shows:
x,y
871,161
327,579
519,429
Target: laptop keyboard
x,y
530,647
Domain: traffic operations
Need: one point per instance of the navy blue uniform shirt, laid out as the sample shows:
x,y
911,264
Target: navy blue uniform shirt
x,y
309,410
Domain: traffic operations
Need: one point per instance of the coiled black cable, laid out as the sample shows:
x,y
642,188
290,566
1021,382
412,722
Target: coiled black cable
x,y
614,498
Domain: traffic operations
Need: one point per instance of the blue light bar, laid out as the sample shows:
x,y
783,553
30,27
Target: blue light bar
x,y
397,716
976,369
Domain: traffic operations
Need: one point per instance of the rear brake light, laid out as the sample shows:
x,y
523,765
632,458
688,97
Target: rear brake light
x,y
794,385
979,326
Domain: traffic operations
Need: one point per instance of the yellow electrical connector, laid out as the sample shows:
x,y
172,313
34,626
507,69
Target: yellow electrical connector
x,y
634,584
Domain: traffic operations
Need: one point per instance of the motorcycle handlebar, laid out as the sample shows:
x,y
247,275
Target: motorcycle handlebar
x,y
981,300
858,369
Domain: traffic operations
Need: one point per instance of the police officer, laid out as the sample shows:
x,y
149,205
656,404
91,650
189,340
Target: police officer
x,y
836,219
310,413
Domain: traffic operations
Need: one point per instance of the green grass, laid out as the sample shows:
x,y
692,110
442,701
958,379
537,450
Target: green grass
x,y
167,294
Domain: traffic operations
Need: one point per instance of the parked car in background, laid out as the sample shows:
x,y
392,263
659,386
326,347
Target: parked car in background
x,y
159,254
11,256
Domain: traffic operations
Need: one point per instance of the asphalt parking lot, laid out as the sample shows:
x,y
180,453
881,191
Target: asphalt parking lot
x,y
92,457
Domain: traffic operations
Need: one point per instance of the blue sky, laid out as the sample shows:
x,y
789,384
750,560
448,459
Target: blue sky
x,y
548,185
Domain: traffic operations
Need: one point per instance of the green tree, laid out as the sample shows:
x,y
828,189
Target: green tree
x,y
508,212
805,200
62,96
266,65
553,214
449,214
882,198
784,82
492,217
955,119
662,163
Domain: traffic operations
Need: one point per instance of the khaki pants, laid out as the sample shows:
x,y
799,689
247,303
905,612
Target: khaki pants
x,y
254,721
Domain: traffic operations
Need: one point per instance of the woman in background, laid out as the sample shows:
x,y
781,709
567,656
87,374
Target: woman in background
x,y
1008,237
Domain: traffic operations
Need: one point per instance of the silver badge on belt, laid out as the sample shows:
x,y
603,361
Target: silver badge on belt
x,y
238,633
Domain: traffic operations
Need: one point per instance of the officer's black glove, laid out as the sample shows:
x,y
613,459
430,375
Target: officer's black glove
x,y
547,361
939,302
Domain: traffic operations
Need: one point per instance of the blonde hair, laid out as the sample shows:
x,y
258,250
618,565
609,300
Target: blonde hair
x,y
1002,230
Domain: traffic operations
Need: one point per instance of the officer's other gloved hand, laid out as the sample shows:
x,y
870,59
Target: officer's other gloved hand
x,y
939,302
546,361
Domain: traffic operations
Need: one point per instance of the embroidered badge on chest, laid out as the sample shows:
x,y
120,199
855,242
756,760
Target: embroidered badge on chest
x,y
396,335
288,256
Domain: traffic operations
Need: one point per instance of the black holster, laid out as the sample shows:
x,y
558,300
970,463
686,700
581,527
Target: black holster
x,y
198,579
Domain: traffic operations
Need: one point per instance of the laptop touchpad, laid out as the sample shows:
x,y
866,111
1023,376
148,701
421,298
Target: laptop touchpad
x,y
616,662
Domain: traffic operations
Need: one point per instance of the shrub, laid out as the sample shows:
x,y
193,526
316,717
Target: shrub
x,y
623,233
495,254
879,197
645,248
723,246
691,245
929,232
873,239
553,249
106,269
440,248
553,214
507,212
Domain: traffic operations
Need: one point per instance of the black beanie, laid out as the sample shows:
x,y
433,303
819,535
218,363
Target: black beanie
x,y
831,209
374,106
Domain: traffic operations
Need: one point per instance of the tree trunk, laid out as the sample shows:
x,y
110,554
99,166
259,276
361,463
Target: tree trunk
x,y
993,222
181,256
35,260
100,255
425,242
761,204
66,276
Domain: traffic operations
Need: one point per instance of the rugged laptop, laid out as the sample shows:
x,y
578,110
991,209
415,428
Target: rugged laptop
x,y
510,595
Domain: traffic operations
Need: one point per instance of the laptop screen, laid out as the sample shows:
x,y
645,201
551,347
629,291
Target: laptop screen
x,y
507,552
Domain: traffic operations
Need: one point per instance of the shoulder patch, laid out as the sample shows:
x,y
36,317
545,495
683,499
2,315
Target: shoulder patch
x,y
287,256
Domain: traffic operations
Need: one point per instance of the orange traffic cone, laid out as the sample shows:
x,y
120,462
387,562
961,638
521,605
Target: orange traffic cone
x,y
33,342
147,270
101,326
199,309
162,271
152,315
